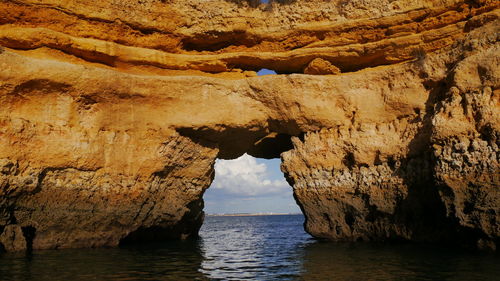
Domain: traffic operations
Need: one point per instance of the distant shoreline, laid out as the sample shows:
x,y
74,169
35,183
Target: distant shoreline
x,y
252,214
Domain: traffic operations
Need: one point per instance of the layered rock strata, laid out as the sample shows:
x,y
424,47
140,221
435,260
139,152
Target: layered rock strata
x,y
112,116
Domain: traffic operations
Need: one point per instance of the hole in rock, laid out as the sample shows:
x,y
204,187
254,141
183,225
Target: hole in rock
x,y
253,220
265,71
29,233
248,185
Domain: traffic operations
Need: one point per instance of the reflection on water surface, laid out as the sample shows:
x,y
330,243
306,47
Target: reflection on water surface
x,y
253,248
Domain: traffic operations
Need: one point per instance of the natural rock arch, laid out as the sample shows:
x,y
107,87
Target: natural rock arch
x,y
111,127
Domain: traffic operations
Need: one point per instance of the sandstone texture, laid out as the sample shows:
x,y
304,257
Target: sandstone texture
x,y
320,66
112,114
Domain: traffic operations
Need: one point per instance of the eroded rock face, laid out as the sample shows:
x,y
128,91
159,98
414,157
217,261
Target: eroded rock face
x,y
431,176
320,66
112,116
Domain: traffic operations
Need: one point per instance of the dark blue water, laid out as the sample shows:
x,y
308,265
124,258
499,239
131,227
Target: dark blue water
x,y
254,248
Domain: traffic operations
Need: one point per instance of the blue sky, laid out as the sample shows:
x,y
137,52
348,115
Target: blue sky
x,y
249,185
265,71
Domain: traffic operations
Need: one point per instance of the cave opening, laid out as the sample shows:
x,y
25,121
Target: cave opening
x,y
251,216
248,181
249,185
247,178
252,183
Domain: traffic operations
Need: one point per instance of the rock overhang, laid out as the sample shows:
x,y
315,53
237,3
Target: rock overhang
x,y
128,42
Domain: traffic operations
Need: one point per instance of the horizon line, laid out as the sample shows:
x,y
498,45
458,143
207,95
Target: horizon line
x,y
252,214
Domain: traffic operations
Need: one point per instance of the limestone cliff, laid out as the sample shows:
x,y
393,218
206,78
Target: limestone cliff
x,y
113,113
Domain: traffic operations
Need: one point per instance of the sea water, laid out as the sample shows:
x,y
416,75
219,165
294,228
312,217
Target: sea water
x,y
254,248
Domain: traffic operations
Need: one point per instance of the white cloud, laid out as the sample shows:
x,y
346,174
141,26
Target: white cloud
x,y
245,177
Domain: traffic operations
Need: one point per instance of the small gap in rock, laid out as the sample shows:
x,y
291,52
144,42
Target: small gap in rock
x,y
391,162
349,160
265,71
29,233
349,219
217,41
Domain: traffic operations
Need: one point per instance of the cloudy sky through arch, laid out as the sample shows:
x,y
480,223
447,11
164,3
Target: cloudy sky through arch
x,y
249,185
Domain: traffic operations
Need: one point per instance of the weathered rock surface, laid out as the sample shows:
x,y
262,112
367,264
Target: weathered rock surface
x,y
319,66
429,176
112,115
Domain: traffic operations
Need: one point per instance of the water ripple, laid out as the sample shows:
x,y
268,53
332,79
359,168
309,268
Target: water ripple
x,y
253,248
